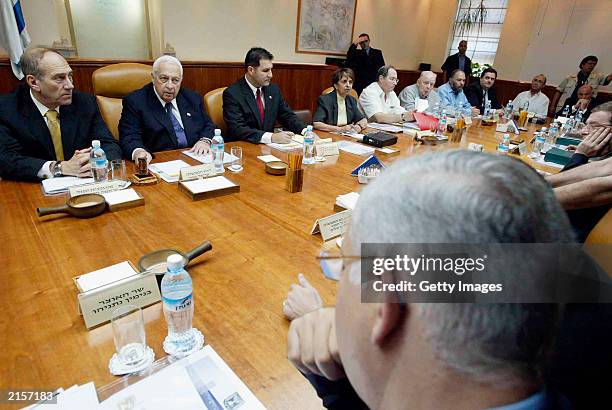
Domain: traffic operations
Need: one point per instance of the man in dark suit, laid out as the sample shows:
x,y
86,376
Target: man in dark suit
x,y
365,62
163,116
583,101
479,92
251,106
458,61
46,127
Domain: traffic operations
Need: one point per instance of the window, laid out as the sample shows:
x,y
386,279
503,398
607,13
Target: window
x,y
482,39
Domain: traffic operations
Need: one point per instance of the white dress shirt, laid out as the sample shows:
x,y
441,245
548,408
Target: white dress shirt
x,y
373,100
266,138
538,103
44,171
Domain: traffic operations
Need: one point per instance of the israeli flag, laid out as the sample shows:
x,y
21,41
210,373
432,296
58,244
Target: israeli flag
x,y
13,35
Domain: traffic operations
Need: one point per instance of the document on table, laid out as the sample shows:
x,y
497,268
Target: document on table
x,y
60,185
354,148
268,158
169,171
355,135
207,159
549,164
347,201
286,147
208,184
385,127
200,381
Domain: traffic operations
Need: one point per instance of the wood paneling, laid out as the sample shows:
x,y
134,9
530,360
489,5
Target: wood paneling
x,y
301,84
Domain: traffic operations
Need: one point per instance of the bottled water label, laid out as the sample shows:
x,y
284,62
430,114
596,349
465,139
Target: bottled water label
x,y
177,305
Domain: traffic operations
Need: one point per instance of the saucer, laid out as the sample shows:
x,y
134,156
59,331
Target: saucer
x,y
117,368
199,343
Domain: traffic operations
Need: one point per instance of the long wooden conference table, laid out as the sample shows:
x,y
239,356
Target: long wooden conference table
x,y
261,240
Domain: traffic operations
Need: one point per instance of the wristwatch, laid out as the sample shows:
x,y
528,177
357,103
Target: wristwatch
x,y
56,169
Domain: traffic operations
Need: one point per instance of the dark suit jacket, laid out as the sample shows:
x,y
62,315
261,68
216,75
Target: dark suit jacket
x,y
473,93
25,141
452,63
573,100
364,65
327,110
242,116
145,123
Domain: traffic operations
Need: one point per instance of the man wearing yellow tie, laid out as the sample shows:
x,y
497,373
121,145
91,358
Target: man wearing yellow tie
x,y
46,127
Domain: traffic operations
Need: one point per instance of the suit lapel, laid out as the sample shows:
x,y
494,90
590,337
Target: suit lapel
x,y
35,122
334,108
161,115
269,103
250,99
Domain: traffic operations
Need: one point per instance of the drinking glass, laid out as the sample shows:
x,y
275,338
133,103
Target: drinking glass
x,y
236,165
129,335
117,170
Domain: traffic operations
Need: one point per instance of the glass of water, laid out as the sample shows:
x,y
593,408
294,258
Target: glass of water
x,y
117,170
236,165
129,335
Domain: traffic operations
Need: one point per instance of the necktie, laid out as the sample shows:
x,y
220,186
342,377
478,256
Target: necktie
x,y
260,106
178,130
56,134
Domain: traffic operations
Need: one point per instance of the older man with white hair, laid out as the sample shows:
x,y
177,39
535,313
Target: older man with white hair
x,y
163,116
396,353
420,97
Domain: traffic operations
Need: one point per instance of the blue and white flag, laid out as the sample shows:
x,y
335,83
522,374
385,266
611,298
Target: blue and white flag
x,y
13,35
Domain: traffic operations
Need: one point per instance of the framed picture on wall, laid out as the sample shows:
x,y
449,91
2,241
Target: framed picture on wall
x,y
325,26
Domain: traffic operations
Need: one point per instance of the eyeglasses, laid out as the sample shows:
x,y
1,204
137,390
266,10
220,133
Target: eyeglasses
x,y
393,79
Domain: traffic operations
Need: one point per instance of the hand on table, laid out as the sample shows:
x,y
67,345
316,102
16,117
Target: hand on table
x,y
282,137
201,148
302,298
596,143
78,165
312,345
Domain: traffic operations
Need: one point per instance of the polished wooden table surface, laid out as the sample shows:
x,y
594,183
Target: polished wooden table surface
x,y
261,240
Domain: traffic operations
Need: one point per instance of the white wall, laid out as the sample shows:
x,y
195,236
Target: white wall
x,y
589,31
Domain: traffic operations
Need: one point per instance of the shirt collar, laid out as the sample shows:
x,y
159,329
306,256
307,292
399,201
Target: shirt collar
x,y
163,103
251,86
379,90
41,107
535,401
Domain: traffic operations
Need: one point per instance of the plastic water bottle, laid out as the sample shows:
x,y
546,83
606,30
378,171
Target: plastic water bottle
x,y
218,148
436,110
566,111
509,111
487,109
309,154
551,139
537,145
442,123
504,145
579,116
99,163
177,298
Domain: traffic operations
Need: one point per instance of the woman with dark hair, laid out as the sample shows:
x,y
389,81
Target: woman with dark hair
x,y
338,110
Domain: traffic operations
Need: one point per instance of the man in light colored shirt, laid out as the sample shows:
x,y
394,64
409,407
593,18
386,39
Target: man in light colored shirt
x,y
452,98
420,97
536,101
379,102
46,126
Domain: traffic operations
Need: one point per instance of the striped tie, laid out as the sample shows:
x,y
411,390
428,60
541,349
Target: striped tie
x,y
56,134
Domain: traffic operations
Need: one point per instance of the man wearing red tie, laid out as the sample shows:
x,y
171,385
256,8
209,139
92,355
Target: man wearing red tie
x,y
251,106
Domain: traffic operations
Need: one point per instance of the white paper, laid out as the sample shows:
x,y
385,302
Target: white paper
x,y
354,148
189,383
348,201
267,158
411,126
105,276
421,105
207,159
386,150
170,388
385,127
286,147
59,185
119,197
550,164
208,184
354,135
79,397
169,171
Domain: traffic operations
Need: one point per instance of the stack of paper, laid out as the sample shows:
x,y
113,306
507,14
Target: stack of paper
x,y
75,398
207,159
347,201
268,158
121,196
355,135
105,276
286,147
354,148
60,185
169,171
385,127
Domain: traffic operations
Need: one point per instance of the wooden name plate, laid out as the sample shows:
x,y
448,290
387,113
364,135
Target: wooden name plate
x,y
208,187
96,188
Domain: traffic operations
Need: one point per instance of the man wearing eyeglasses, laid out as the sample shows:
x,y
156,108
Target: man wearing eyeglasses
x,y
585,188
46,126
379,102
163,116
